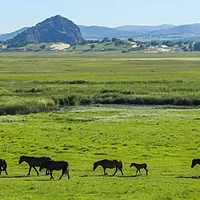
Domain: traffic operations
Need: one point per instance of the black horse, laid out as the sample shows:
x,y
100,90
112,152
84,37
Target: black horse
x,y
139,167
55,165
33,162
3,166
117,164
194,162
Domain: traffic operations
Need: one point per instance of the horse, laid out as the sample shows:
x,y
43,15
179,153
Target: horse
x,y
3,166
139,167
117,164
194,162
33,162
51,165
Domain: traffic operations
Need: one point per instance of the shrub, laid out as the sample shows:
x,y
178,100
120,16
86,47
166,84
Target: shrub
x,y
28,107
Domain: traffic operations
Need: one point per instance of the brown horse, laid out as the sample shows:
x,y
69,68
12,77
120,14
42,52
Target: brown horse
x,y
194,162
51,165
3,166
139,167
117,164
33,162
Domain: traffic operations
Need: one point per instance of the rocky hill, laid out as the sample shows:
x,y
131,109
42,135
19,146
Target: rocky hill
x,y
53,29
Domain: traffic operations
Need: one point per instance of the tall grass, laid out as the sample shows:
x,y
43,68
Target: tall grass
x,y
27,107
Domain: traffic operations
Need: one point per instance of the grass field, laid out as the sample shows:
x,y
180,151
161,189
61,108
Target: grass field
x,y
46,80
165,138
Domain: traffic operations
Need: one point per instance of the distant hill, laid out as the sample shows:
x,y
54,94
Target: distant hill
x,y
180,30
7,36
101,32
139,31
134,28
53,29
61,29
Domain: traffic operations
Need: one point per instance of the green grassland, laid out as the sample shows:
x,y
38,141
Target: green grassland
x,y
32,85
47,80
167,139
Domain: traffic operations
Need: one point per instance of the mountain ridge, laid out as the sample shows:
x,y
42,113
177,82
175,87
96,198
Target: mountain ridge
x,y
144,28
46,30
139,31
56,28
7,36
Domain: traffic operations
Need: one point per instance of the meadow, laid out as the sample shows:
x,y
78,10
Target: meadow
x,y
34,84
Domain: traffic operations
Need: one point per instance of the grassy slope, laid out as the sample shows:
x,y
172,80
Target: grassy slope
x,y
166,139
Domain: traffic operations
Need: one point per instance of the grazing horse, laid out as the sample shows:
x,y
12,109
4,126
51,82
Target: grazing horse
x,y
51,165
33,162
117,164
139,167
194,162
3,166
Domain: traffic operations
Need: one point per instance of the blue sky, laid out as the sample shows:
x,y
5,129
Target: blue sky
x,y
15,14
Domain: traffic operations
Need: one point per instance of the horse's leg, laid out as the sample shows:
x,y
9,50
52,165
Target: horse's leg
x,y
63,171
36,170
67,172
51,175
140,172
47,172
68,175
121,171
29,171
105,173
115,171
146,171
6,172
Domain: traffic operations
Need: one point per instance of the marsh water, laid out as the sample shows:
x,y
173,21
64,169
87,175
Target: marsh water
x,y
125,106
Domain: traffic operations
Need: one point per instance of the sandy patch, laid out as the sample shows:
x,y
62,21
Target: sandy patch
x,y
2,46
59,46
163,50
134,44
163,46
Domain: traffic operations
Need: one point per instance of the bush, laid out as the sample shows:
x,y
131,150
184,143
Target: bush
x,y
28,107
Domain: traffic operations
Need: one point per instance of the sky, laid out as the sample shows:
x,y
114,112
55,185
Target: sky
x,y
16,14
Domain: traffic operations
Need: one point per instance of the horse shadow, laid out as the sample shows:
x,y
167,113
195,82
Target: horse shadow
x,y
19,176
101,175
128,176
14,176
189,177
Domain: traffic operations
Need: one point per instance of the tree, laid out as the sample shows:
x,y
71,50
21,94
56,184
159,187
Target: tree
x,y
92,46
168,43
180,43
114,39
191,47
197,46
42,46
106,39
131,39
154,43
119,42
